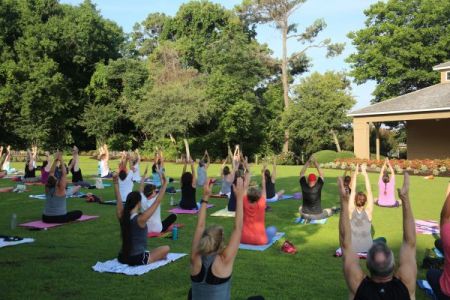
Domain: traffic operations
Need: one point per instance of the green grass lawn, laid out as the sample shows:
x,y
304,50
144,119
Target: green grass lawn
x,y
58,264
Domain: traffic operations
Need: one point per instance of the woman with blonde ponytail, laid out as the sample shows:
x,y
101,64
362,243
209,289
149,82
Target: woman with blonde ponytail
x,y
212,261
133,225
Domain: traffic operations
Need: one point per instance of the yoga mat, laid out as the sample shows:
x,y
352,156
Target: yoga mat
x,y
224,213
425,286
427,226
114,266
283,197
178,210
42,196
3,243
302,221
111,202
278,236
160,234
218,196
41,225
361,255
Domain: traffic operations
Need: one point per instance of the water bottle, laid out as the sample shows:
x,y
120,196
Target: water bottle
x,y
175,233
13,221
172,201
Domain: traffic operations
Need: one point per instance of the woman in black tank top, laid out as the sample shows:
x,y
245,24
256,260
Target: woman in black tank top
x,y
188,190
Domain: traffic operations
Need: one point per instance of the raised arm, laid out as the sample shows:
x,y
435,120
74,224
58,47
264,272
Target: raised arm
x,y
319,170
184,167
407,270
106,152
303,171
247,174
351,201
369,205
53,165
263,181
62,182
143,178
383,168
274,170
352,270
30,161
229,254
391,170
142,218
201,224
445,212
208,159
194,179
119,204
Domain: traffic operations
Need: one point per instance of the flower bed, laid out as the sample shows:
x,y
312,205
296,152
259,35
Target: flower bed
x,y
436,167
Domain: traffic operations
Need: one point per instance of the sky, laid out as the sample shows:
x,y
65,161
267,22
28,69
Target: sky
x,y
341,16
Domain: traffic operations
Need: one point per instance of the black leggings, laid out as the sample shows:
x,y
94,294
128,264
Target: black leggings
x,y
69,217
168,221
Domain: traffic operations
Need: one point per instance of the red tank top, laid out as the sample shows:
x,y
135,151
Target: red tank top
x,y
254,229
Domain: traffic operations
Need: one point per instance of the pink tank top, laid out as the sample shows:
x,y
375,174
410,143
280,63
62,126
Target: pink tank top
x,y
445,278
386,192
254,228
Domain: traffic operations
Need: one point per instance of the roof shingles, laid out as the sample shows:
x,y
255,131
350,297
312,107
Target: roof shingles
x,y
436,97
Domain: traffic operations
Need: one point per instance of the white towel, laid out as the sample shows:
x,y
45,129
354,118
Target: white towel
x,y
114,266
25,240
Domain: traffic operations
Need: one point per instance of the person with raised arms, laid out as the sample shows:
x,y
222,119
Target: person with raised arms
x,y
360,209
135,163
270,183
188,187
227,178
386,187
202,169
46,166
254,229
384,282
439,280
74,167
158,164
55,210
30,166
312,193
148,197
6,164
104,162
126,183
211,260
133,227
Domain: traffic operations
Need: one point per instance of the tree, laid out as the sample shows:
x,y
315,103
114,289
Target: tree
x,y
402,41
319,110
279,12
175,101
48,53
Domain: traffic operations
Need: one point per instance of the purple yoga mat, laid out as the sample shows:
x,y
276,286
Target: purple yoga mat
x,y
41,225
178,210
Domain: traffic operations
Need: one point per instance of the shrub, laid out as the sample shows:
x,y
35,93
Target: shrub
x,y
287,158
325,156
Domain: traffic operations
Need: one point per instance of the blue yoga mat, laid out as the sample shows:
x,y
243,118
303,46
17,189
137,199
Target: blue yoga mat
x,y
278,236
302,221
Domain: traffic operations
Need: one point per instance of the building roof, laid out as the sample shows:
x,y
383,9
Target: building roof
x,y
433,98
442,66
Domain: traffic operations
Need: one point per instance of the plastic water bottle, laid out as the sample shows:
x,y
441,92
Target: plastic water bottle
x,y
172,201
175,233
13,221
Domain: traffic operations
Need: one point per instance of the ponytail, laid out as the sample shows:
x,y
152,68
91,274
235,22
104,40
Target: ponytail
x,y
133,199
212,241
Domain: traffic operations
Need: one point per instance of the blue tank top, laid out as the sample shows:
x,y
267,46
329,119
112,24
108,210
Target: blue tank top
x,y
206,286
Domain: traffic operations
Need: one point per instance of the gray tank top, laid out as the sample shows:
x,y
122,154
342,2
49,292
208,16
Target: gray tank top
x,y
361,231
226,187
55,205
138,237
202,290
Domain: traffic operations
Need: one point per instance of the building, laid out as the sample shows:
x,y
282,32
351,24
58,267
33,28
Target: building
x,y
427,116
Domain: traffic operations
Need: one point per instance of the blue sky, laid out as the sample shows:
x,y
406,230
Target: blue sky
x,y
341,16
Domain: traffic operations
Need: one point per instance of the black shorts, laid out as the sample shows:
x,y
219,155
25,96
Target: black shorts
x,y
135,260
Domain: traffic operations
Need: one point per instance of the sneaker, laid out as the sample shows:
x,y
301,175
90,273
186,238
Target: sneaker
x,y
288,247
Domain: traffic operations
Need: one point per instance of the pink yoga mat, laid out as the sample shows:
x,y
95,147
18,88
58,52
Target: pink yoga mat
x,y
158,234
427,227
187,211
41,225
